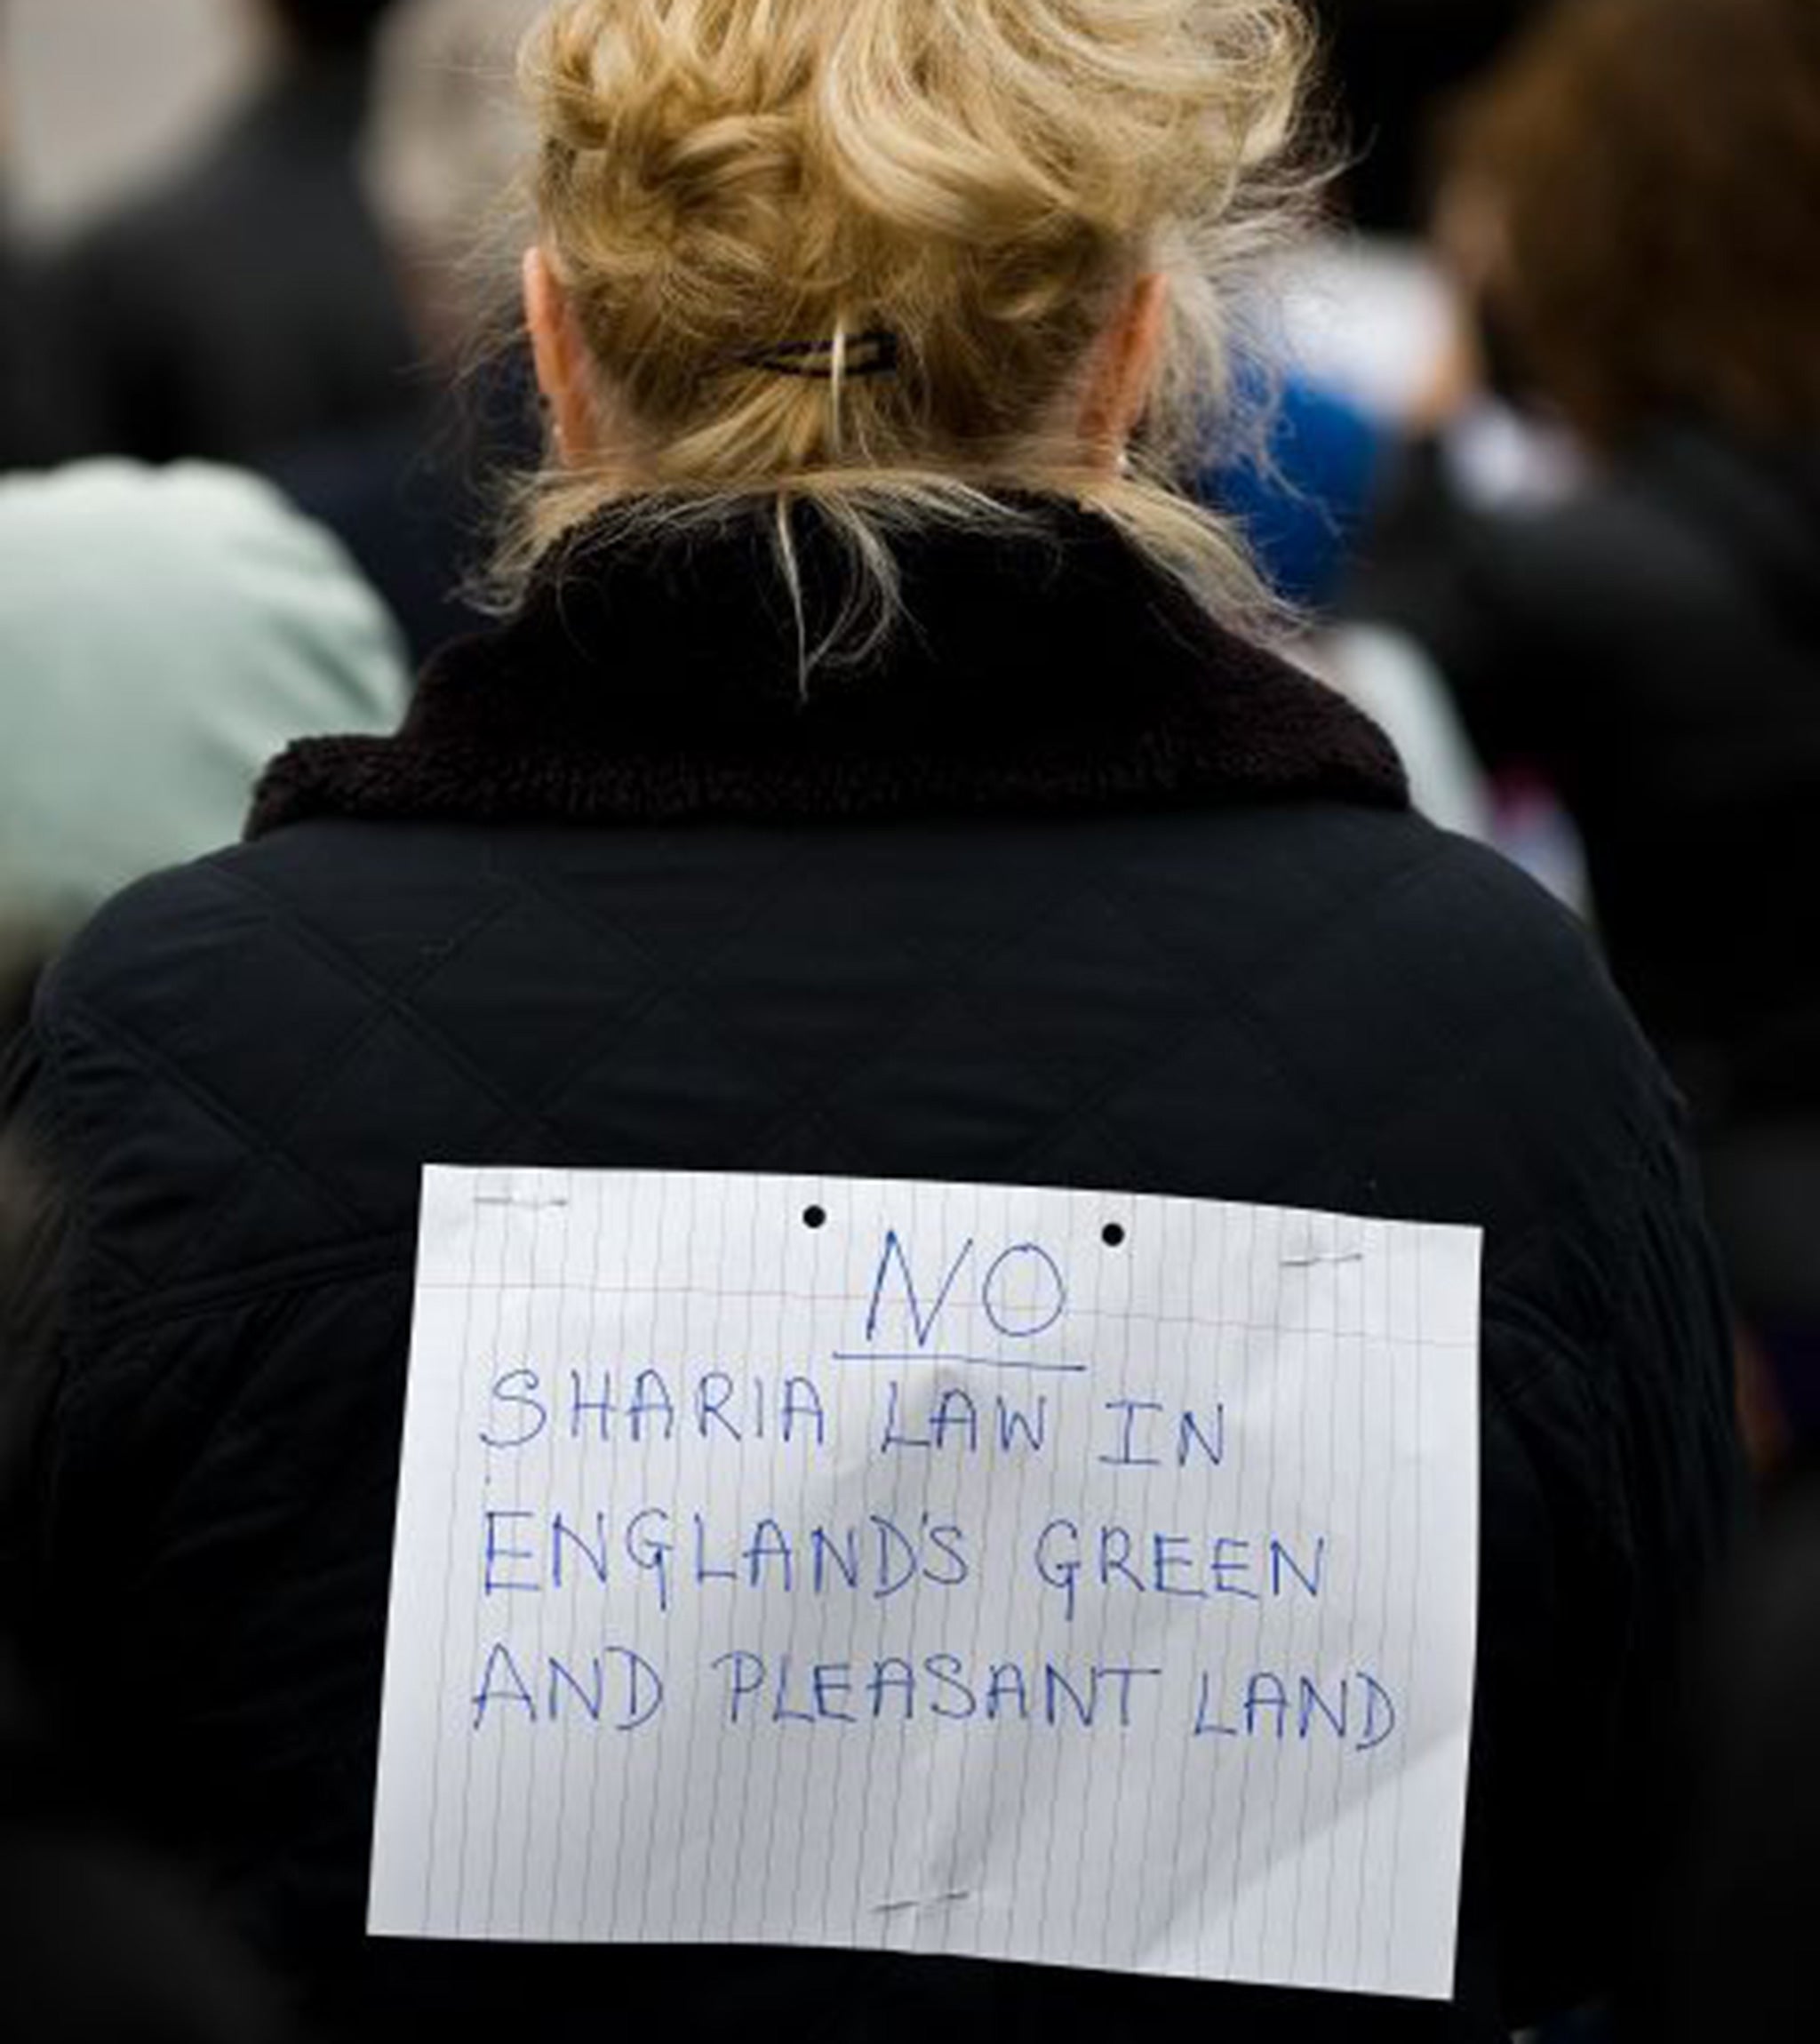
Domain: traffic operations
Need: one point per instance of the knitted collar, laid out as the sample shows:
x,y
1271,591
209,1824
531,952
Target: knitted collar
x,y
1043,668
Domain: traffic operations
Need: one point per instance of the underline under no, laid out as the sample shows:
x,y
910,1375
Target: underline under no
x,y
968,1361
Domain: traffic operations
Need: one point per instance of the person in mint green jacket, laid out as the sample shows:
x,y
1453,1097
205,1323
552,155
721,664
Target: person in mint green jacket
x,y
163,632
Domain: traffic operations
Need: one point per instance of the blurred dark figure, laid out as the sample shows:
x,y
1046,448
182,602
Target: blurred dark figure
x,y
252,303
15,329
25,395
1732,1938
19,437
16,438
415,501
1363,311
1394,63
1630,205
100,1942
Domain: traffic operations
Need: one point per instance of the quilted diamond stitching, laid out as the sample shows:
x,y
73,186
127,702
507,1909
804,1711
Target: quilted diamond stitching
x,y
156,1067
1240,1010
666,984
388,1005
813,1098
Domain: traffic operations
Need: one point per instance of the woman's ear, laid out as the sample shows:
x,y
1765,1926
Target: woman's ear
x,y
1125,369
560,359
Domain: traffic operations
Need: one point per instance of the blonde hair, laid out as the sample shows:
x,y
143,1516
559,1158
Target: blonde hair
x,y
721,182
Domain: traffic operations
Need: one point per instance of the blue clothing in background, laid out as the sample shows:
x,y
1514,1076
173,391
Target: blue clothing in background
x,y
1302,505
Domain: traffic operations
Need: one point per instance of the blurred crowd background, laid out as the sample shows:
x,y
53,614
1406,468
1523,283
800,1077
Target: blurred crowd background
x,y
1538,472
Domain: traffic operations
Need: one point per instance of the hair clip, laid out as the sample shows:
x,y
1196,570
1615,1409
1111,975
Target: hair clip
x,y
873,353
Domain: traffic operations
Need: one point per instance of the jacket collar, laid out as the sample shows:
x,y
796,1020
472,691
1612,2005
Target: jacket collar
x,y
1046,667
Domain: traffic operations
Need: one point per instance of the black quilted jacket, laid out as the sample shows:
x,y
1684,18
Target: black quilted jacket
x,y
1063,886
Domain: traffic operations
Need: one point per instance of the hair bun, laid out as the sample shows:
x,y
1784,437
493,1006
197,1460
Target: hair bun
x,y
720,180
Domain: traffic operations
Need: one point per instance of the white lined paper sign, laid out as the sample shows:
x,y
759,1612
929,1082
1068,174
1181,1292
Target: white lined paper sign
x,y
1075,1578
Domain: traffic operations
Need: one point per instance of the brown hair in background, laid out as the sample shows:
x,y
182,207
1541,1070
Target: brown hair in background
x,y
1643,179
